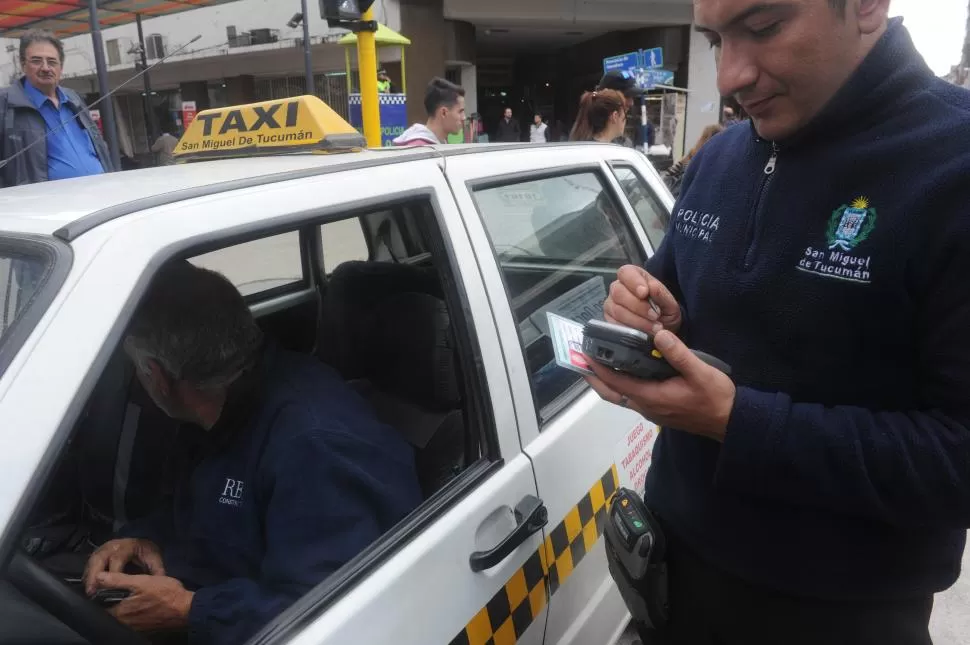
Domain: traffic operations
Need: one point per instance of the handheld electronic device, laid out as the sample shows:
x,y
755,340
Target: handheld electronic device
x,y
110,597
632,352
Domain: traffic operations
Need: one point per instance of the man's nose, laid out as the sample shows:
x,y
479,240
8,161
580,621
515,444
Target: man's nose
x,y
736,69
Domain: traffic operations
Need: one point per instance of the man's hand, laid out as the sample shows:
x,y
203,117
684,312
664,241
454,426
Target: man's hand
x,y
629,302
699,401
156,603
115,555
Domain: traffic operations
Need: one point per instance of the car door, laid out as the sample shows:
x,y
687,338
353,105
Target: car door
x,y
465,566
433,582
582,448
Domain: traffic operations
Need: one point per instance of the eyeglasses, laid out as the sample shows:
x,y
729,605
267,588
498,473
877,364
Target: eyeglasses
x,y
37,61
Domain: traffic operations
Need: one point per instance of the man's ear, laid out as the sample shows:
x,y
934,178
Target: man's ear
x,y
159,378
871,14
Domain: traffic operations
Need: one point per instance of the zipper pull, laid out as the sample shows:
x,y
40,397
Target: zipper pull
x,y
772,160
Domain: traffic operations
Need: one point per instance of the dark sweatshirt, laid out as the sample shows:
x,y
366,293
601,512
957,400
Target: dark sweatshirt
x,y
838,288
296,478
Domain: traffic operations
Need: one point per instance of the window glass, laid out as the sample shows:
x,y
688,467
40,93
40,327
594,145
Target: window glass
x,y
649,209
260,265
343,241
20,277
559,242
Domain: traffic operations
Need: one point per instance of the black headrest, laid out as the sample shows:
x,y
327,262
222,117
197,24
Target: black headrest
x,y
353,290
414,353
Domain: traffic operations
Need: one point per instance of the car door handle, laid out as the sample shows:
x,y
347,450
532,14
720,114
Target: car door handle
x,y
531,516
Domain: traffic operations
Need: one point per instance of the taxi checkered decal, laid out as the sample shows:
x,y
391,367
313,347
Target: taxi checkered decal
x,y
511,611
383,99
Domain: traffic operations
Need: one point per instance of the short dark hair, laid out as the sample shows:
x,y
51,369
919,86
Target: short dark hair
x,y
441,93
40,36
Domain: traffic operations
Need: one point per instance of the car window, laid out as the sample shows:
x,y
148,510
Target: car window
x,y
649,209
20,277
559,242
343,241
259,265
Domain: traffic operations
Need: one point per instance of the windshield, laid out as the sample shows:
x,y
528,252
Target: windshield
x,y
22,271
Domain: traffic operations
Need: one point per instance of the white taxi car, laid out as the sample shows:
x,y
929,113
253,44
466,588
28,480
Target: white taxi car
x,y
517,456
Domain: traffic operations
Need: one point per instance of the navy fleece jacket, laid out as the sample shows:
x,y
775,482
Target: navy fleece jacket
x,y
295,479
838,288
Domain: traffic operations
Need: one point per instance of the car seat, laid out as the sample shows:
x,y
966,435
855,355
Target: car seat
x,y
115,469
385,327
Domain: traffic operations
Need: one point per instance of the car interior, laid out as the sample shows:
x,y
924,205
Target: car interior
x,y
382,321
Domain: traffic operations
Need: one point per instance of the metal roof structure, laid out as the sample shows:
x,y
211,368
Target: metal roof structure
x,y
72,17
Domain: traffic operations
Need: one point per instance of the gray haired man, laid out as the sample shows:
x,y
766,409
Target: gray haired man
x,y
287,476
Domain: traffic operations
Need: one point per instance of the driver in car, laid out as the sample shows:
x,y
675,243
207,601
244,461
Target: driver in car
x,y
286,475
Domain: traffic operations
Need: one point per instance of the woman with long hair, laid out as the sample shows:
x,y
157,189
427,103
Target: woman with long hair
x,y
675,174
602,117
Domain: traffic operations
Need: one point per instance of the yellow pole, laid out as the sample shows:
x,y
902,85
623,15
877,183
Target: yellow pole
x,y
404,73
367,69
350,80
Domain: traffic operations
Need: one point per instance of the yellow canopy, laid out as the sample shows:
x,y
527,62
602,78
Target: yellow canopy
x,y
384,37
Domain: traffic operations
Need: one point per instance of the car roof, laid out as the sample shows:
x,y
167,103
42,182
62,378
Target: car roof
x,y
43,208
69,207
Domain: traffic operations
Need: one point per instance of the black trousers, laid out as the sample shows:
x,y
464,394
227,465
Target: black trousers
x,y
709,607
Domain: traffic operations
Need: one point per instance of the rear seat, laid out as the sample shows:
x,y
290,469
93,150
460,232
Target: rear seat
x,y
386,328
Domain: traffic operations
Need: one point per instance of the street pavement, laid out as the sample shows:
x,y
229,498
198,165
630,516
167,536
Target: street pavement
x,y
950,624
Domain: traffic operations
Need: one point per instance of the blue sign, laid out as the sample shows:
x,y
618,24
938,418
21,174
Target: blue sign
x,y
653,57
621,63
647,79
394,116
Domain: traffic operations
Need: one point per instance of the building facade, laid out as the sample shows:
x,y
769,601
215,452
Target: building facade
x,y
535,56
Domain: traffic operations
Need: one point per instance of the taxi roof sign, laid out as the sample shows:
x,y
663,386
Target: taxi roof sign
x,y
299,123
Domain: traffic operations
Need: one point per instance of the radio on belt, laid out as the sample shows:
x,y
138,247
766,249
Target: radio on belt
x,y
636,555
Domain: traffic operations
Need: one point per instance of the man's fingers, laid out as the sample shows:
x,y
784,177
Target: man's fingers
x,y
108,580
96,564
641,286
601,388
622,296
677,354
117,562
620,315
152,561
636,279
665,301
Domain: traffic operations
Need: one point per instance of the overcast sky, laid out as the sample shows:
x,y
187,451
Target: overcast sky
x,y
937,27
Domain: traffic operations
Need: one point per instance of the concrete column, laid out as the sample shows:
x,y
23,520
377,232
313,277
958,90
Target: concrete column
x,y
469,81
423,22
703,101
240,90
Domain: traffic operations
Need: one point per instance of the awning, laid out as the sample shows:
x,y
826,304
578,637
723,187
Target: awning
x,y
70,17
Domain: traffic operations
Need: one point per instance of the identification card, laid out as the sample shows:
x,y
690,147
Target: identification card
x,y
567,342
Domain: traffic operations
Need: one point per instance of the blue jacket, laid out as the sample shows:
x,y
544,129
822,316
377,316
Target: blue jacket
x,y
297,478
837,288
22,125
